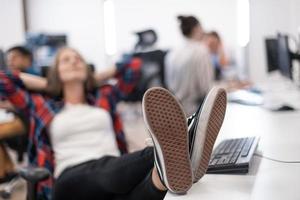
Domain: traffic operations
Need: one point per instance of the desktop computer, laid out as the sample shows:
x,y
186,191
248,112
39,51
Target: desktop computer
x,y
272,54
284,55
279,56
2,60
44,47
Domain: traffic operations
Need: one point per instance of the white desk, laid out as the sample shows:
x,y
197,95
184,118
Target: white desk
x,y
279,134
6,117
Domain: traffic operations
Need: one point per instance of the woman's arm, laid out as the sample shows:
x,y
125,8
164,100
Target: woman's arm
x,y
33,82
105,75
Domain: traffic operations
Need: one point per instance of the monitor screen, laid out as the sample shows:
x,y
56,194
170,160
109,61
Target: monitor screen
x,y
2,60
272,54
284,56
44,47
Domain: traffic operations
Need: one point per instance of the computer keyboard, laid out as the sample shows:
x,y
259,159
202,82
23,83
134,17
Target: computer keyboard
x,y
233,156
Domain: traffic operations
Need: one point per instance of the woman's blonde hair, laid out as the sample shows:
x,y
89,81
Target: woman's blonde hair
x,y
55,86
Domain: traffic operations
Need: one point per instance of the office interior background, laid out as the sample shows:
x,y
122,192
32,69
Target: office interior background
x,y
103,30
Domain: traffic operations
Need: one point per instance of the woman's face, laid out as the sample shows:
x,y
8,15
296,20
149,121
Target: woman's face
x,y
71,67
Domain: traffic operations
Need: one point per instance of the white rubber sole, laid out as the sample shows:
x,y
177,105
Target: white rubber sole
x,y
167,125
210,121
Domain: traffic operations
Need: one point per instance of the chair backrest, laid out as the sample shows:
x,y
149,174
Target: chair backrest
x,y
152,73
146,39
19,142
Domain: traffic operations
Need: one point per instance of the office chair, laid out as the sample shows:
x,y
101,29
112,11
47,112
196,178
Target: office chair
x,y
32,175
146,39
152,73
152,70
17,143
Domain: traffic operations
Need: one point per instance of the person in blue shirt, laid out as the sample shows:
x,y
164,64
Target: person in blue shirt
x,y
21,59
220,60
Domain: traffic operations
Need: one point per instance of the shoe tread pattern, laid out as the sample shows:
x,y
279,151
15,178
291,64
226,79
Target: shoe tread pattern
x,y
167,122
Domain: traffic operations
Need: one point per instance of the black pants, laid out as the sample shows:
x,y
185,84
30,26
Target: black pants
x,y
111,178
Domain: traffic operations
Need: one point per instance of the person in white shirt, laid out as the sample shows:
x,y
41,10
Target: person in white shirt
x,y
189,71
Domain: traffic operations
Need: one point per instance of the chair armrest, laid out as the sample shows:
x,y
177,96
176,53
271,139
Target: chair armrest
x,y
34,174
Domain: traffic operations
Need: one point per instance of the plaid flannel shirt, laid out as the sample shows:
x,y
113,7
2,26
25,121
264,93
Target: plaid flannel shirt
x,y
41,109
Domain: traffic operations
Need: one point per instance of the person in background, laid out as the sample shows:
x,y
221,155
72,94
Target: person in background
x,y
189,71
20,58
219,59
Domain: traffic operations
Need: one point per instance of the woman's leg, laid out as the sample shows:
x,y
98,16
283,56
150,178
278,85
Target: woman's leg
x,y
167,126
105,177
151,188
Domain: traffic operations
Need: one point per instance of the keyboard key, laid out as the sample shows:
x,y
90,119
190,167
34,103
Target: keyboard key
x,y
233,146
241,144
227,160
247,147
221,161
227,147
214,162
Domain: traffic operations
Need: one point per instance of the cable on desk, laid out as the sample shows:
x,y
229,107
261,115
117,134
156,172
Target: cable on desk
x,y
276,160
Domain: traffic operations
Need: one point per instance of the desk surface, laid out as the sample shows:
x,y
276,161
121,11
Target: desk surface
x,y
5,117
279,134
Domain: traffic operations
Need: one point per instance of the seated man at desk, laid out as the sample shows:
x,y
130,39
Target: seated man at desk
x,y
8,129
21,59
219,58
18,58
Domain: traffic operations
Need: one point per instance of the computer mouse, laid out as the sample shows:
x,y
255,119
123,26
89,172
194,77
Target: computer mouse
x,y
285,107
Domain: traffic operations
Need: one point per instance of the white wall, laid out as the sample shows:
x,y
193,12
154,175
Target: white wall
x,y
136,15
11,23
267,18
81,20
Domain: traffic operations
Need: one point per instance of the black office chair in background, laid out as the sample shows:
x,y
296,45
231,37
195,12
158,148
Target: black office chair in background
x,y
32,175
152,71
17,143
146,40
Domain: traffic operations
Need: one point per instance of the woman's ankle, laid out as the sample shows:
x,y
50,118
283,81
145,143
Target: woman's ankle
x,y
156,180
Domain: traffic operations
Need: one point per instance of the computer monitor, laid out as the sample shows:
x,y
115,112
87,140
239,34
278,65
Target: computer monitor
x,y
2,60
272,54
284,56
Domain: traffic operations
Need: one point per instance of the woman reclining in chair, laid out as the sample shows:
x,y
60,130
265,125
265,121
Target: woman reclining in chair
x,y
80,137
